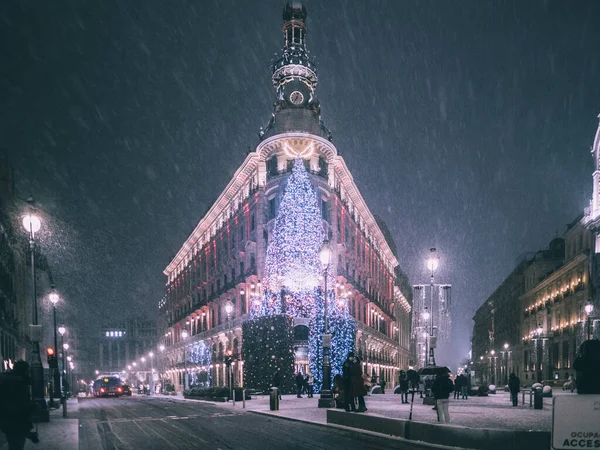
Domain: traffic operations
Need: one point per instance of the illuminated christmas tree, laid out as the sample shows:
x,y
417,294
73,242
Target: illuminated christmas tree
x,y
294,275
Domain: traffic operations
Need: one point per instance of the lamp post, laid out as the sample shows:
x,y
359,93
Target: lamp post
x,y
68,372
162,367
426,316
326,399
589,309
54,298
62,330
506,364
151,355
432,264
32,225
184,335
493,353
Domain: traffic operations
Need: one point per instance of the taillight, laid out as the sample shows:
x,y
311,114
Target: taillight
x,y
119,390
101,389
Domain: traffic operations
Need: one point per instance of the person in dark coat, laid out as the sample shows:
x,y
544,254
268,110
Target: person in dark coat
x,y
404,386
358,385
347,383
464,386
441,388
16,406
514,386
587,367
277,382
457,385
383,383
299,384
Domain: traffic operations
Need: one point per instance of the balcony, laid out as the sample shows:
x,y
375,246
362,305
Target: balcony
x,y
373,332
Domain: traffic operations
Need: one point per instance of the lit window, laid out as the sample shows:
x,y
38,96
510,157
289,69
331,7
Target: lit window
x,y
107,334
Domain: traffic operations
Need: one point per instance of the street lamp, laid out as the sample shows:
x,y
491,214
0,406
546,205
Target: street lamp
x,y
326,399
432,264
184,335
506,347
589,309
162,368
54,298
62,330
151,355
32,225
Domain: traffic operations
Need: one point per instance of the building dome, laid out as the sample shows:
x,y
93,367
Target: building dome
x,y
294,10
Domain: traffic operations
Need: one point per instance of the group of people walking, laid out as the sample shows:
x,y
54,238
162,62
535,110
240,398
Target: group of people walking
x,y
305,385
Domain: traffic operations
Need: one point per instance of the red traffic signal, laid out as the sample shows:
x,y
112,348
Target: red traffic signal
x,y
52,359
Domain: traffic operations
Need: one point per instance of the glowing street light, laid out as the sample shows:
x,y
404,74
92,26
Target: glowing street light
x,y
184,335
54,298
589,309
326,398
32,225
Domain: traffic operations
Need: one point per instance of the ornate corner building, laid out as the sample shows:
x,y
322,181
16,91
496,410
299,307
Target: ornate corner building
x,y
217,274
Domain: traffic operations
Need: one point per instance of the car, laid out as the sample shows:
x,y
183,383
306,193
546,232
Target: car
x,y
108,387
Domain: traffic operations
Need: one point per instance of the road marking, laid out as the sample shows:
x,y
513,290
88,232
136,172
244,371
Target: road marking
x,y
148,419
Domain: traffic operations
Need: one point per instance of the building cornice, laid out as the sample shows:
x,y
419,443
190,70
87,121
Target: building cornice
x,y
554,276
239,179
351,190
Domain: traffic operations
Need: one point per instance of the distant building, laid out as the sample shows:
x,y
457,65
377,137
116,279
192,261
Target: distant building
x,y
125,342
497,321
552,310
14,305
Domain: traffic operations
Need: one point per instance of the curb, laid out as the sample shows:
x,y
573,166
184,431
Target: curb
x,y
358,433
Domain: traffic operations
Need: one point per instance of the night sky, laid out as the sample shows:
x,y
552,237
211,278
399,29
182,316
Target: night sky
x,y
466,125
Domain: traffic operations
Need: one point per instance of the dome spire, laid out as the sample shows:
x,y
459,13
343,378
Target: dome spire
x,y
294,62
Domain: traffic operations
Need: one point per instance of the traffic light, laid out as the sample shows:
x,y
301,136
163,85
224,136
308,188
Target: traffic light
x,y
52,360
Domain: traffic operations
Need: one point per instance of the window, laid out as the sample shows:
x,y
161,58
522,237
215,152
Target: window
x,y
252,261
322,166
324,214
252,223
272,165
272,208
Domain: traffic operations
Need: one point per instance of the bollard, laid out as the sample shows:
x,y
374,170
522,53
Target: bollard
x,y
531,398
274,399
244,398
64,405
538,399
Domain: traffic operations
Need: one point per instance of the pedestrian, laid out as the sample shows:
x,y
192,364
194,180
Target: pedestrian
x,y
338,392
358,385
571,382
441,388
299,384
16,406
276,383
464,387
404,386
383,384
514,386
457,385
310,380
587,367
347,383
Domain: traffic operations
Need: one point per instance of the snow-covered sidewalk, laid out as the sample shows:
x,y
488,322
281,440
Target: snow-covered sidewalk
x,y
494,412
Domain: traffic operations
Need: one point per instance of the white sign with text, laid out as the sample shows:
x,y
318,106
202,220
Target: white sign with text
x,y
576,422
